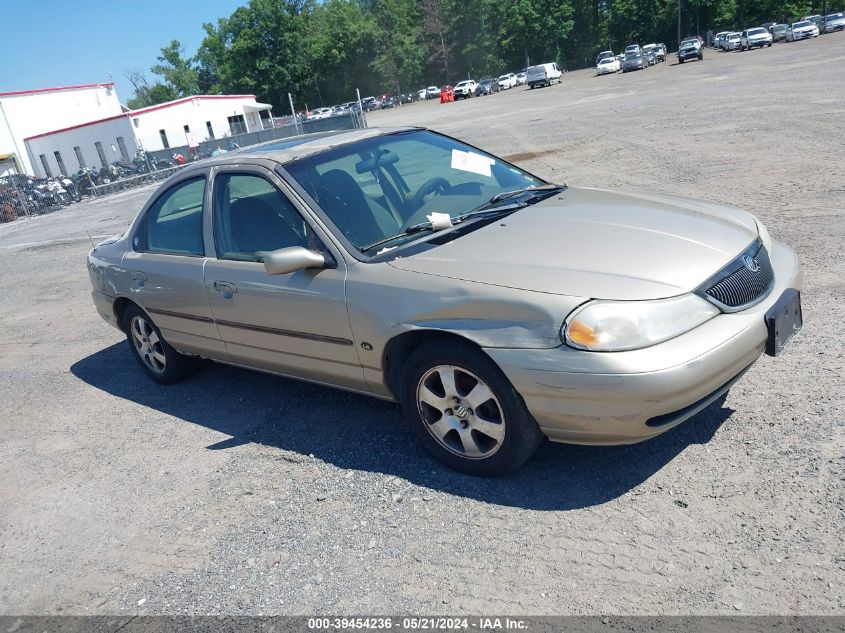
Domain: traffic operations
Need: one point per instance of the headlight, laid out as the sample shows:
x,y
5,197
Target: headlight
x,y
764,235
613,326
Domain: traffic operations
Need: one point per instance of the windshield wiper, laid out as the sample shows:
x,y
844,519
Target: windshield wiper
x,y
541,190
490,207
417,228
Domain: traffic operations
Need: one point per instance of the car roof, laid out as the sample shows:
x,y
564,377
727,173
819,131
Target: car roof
x,y
295,147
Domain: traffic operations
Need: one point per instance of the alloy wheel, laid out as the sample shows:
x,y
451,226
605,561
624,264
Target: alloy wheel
x,y
460,411
148,344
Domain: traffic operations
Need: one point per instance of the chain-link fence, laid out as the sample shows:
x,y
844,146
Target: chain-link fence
x,y
22,195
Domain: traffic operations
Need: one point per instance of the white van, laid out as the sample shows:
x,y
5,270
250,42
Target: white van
x,y
543,75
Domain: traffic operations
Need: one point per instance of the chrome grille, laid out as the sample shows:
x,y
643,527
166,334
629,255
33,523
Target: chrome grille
x,y
738,285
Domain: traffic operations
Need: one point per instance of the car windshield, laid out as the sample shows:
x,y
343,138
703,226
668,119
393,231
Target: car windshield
x,y
462,84
632,55
779,27
798,25
606,61
834,16
756,31
381,187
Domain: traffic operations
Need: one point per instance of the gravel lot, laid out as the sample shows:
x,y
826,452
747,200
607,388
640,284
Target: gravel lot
x,y
238,492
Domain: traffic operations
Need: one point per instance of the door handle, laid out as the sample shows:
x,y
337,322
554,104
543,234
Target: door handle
x,y
226,287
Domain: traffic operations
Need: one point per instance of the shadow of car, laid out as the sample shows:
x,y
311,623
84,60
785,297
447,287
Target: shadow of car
x,y
351,431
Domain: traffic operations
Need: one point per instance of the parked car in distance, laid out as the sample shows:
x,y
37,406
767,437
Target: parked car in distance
x,y
432,92
507,81
834,22
487,348
607,66
543,75
521,79
650,56
778,32
487,85
389,101
654,51
756,37
320,113
690,49
802,31
731,42
718,38
603,55
817,20
661,52
465,89
634,60
633,48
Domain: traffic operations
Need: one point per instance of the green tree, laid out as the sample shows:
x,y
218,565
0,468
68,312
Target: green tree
x,y
145,94
178,72
260,49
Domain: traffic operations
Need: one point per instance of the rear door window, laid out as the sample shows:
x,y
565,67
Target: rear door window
x,y
174,222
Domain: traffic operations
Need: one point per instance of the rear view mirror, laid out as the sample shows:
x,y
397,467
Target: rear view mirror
x,y
289,260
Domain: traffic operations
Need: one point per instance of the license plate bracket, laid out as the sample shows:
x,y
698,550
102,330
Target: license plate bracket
x,y
783,321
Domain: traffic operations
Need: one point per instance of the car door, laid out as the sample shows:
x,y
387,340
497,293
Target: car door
x,y
164,270
294,324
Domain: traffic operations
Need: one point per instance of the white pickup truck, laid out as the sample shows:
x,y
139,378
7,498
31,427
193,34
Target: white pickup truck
x,y
465,89
543,75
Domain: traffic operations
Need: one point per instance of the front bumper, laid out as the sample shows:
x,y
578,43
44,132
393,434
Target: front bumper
x,y
613,398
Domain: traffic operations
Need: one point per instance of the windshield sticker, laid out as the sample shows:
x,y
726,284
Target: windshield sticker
x,y
472,162
439,221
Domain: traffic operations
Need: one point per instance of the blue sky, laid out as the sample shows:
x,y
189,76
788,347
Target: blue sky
x,y
58,43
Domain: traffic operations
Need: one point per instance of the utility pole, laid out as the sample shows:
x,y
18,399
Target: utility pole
x,y
679,24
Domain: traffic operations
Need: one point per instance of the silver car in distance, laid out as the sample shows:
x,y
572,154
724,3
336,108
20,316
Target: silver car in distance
x,y
496,307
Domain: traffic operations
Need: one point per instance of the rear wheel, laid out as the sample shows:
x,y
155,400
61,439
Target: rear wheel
x,y
465,411
156,357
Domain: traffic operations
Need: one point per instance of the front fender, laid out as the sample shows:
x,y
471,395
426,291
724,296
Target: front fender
x,y
385,302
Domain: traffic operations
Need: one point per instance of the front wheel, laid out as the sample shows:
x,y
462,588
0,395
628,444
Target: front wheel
x,y
465,411
157,358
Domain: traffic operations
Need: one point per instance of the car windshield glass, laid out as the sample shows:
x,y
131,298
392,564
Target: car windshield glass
x,y
800,24
756,31
380,187
835,16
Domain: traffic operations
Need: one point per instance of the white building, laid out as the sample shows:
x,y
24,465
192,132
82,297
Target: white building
x,y
28,113
60,130
195,119
96,144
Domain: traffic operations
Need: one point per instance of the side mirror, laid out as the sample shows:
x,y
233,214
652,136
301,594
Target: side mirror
x,y
289,260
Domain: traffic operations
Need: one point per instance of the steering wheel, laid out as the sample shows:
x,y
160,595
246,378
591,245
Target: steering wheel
x,y
428,187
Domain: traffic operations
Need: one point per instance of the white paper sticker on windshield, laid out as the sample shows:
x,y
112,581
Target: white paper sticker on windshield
x,y
439,221
472,162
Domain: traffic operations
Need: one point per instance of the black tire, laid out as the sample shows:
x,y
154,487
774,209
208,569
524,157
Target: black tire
x,y
521,435
176,366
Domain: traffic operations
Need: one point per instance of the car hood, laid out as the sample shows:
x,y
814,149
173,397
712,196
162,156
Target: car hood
x,y
596,244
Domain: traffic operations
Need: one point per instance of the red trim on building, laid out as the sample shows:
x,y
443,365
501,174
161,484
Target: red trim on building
x,y
76,127
59,89
169,104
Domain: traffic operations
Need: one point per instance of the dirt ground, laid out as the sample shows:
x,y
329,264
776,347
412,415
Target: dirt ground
x,y
238,492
